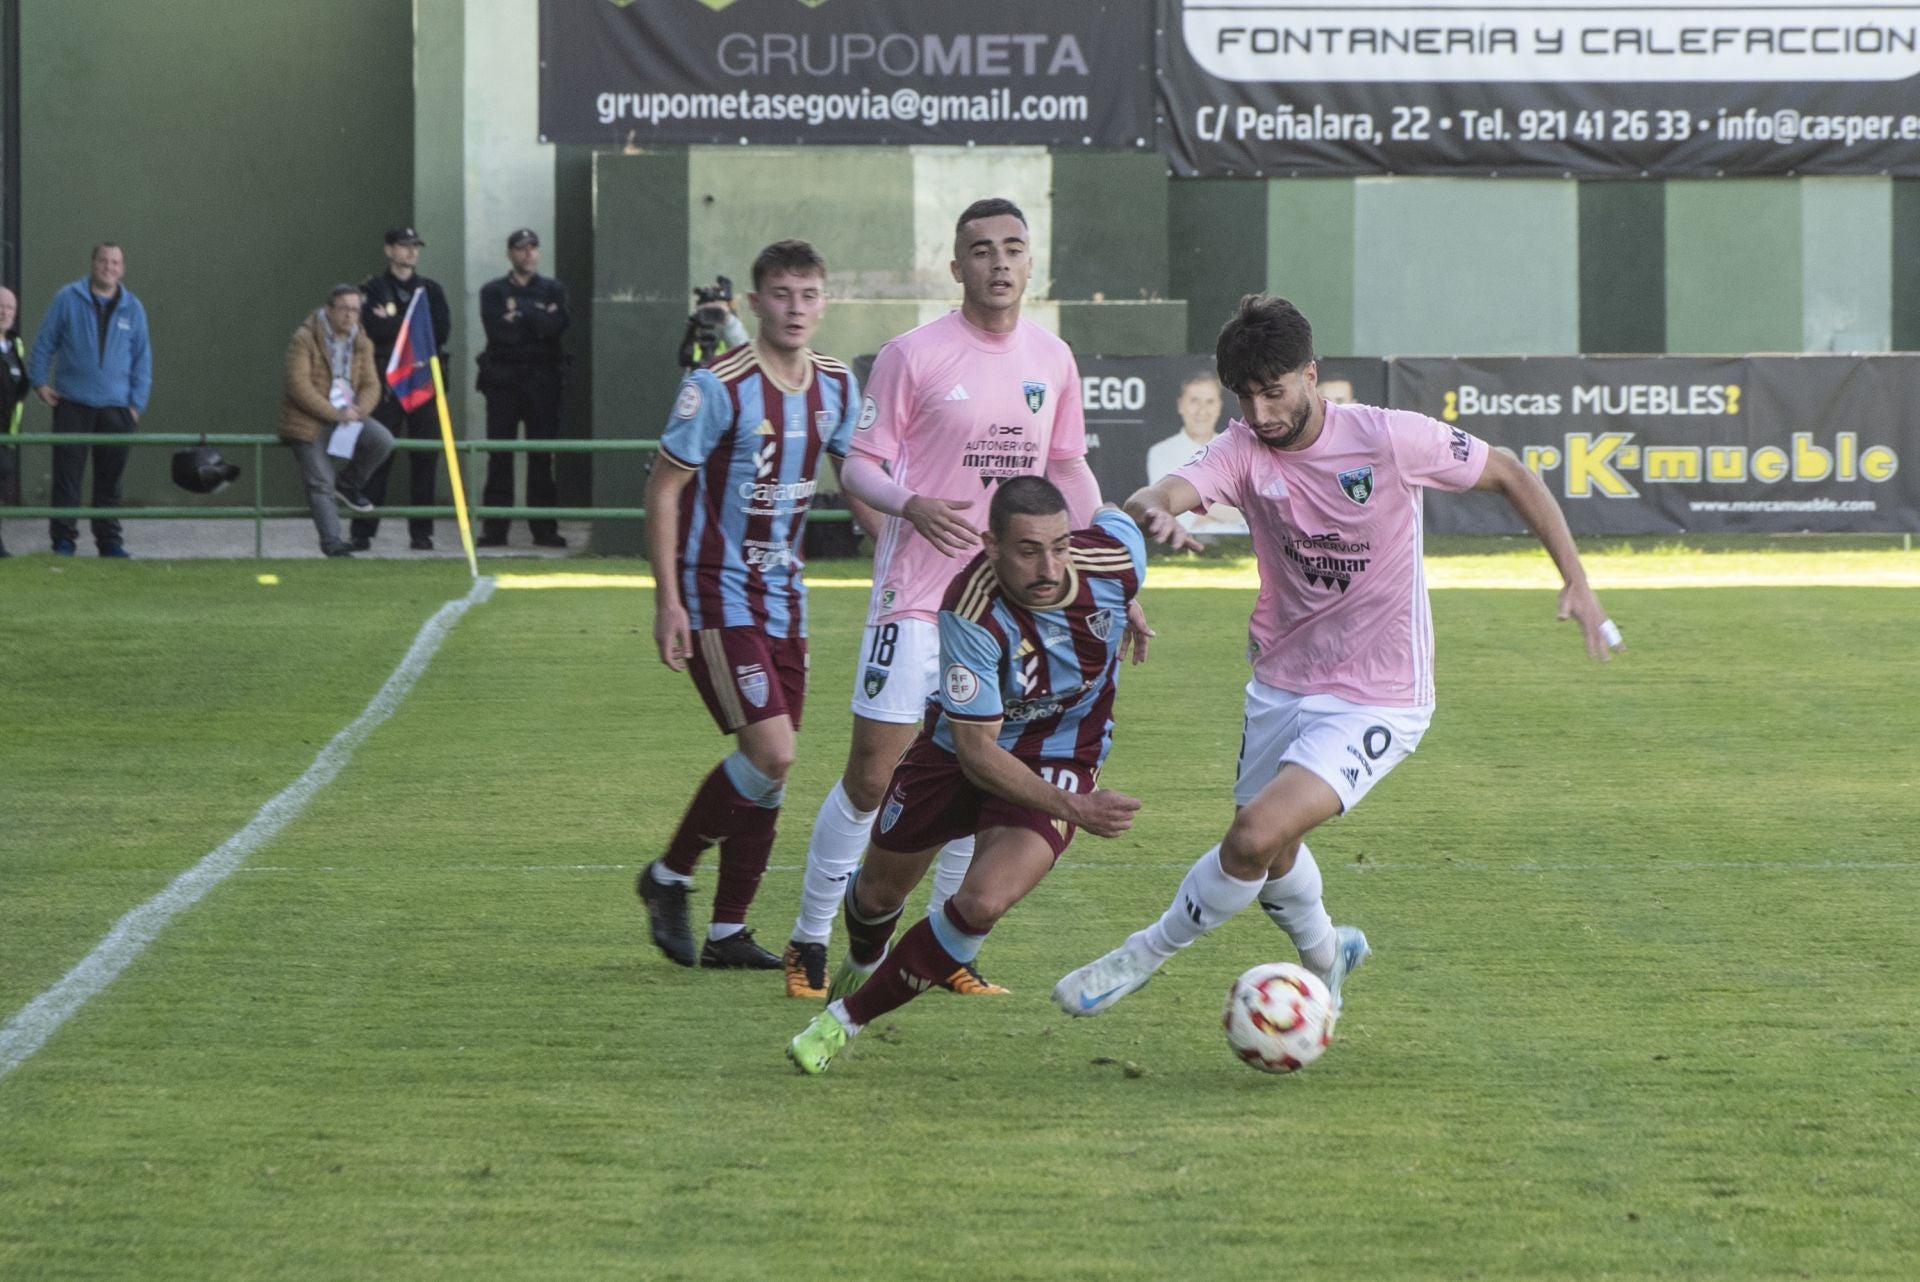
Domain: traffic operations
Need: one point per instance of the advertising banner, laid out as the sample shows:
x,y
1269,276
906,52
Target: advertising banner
x,y
1072,72
1710,445
1146,415
1610,88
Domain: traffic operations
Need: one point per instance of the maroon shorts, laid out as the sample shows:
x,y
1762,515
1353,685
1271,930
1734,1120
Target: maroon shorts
x,y
930,801
747,676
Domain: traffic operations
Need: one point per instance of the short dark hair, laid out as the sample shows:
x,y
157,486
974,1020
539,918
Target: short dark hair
x,y
1267,338
990,207
795,257
1198,376
105,244
339,292
1023,496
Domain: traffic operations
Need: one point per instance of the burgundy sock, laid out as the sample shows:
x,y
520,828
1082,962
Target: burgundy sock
x,y
866,940
743,859
916,964
710,818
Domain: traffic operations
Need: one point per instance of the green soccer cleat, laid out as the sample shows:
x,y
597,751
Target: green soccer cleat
x,y
813,1050
847,979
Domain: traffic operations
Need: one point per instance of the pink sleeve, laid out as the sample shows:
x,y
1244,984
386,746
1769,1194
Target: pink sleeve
x,y
866,480
1070,420
1078,485
1217,470
884,411
1432,454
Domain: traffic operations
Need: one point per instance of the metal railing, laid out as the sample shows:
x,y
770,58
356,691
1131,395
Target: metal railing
x,y
259,511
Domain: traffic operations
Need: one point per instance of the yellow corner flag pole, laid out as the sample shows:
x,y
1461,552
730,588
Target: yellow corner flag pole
x,y
453,469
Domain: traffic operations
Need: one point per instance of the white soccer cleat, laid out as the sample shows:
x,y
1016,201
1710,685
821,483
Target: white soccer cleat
x,y
1349,951
1096,986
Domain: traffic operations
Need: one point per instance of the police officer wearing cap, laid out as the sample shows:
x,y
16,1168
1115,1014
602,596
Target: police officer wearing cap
x,y
525,314
385,300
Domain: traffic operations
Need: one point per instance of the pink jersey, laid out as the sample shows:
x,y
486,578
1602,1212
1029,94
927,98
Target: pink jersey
x,y
1336,533
952,410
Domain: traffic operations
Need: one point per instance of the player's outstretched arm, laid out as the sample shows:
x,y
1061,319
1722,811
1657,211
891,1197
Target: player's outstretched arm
x,y
868,518
1157,508
1533,503
937,520
1102,812
672,633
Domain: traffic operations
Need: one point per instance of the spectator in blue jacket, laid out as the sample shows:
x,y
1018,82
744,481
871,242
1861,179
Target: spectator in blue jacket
x,y
91,363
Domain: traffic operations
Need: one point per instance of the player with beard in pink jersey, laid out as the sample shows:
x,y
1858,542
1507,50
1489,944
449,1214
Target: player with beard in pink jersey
x,y
953,408
1342,641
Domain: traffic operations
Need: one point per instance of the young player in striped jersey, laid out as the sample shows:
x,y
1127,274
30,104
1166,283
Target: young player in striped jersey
x,y
953,408
1031,634
726,507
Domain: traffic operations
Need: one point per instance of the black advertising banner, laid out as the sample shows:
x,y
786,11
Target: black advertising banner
x,y
1657,445
1070,72
1608,88
1146,415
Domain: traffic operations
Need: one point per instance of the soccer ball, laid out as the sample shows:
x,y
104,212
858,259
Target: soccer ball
x,y
1279,1017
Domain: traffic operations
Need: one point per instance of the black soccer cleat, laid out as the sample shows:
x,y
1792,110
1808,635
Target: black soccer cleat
x,y
667,916
737,952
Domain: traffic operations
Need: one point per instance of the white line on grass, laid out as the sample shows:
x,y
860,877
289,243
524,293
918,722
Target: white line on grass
x,y
38,1020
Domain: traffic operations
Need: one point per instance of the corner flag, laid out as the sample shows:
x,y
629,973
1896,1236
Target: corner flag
x,y
408,373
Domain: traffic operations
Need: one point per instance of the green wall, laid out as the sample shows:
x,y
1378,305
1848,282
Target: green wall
x,y
1310,258
1459,265
1733,265
1623,266
247,157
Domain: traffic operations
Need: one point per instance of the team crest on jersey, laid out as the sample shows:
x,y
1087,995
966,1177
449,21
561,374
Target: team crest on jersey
x,y
689,403
1036,394
887,598
823,422
765,428
868,413
874,682
1358,483
752,680
1100,623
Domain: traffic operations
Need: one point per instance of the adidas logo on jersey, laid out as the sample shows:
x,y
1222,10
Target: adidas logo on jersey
x,y
958,393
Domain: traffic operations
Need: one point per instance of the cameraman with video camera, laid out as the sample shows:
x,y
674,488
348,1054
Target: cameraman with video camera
x,y
713,327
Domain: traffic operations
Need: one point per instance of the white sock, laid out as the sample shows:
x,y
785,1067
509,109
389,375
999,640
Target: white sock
x,y
1293,902
721,929
949,870
839,839
838,1009
1207,897
666,876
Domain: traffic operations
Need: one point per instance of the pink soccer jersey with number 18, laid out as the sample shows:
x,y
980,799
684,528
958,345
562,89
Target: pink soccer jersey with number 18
x,y
1336,533
953,410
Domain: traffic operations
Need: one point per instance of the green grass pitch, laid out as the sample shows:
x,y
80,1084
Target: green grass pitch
x,y
1643,1003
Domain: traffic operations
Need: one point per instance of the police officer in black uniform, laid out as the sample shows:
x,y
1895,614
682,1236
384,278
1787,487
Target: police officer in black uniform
x,y
385,302
525,314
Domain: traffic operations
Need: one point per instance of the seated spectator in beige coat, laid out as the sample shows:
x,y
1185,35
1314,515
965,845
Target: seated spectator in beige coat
x,y
326,413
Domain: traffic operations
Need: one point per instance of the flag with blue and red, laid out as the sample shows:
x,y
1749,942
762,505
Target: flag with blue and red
x,y
409,373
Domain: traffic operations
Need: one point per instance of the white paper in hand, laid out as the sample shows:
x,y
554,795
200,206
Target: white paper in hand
x,y
345,437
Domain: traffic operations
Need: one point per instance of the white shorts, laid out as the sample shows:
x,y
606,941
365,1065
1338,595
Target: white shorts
x,y
897,669
1350,745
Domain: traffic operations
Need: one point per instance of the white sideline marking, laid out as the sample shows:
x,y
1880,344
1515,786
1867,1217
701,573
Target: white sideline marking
x,y
38,1020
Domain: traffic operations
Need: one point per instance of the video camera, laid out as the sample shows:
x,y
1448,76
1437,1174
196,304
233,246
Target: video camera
x,y
704,334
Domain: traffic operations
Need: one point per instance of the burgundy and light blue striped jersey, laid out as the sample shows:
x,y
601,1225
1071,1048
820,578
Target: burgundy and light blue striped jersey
x,y
1047,676
754,448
